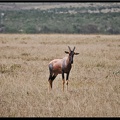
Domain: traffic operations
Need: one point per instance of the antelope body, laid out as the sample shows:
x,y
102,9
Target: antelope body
x,y
61,66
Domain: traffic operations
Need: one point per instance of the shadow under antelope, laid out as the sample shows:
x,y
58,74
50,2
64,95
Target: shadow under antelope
x,y
61,66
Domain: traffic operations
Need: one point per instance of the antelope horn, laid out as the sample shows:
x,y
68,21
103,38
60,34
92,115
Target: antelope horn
x,y
69,48
73,48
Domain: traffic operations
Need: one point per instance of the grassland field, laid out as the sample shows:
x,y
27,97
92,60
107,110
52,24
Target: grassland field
x,y
94,81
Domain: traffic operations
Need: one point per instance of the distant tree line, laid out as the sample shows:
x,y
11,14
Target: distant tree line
x,y
60,20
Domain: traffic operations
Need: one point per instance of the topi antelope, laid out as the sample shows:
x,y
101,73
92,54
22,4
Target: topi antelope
x,y
61,66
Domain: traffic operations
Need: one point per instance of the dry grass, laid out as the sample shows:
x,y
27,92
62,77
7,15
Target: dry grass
x,y
94,85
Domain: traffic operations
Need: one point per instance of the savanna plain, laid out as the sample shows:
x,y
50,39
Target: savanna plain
x,y
94,81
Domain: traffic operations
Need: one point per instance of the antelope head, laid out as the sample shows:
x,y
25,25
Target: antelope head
x,y
71,54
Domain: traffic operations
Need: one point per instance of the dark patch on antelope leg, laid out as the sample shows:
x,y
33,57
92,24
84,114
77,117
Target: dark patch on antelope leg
x,y
50,76
67,76
50,67
53,77
50,70
62,74
63,79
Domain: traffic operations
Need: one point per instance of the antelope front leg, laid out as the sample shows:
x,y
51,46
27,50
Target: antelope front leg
x,y
67,80
67,84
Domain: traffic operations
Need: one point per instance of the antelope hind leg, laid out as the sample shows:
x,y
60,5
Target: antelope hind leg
x,y
50,84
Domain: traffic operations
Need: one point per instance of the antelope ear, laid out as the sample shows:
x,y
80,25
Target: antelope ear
x,y
76,53
66,52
